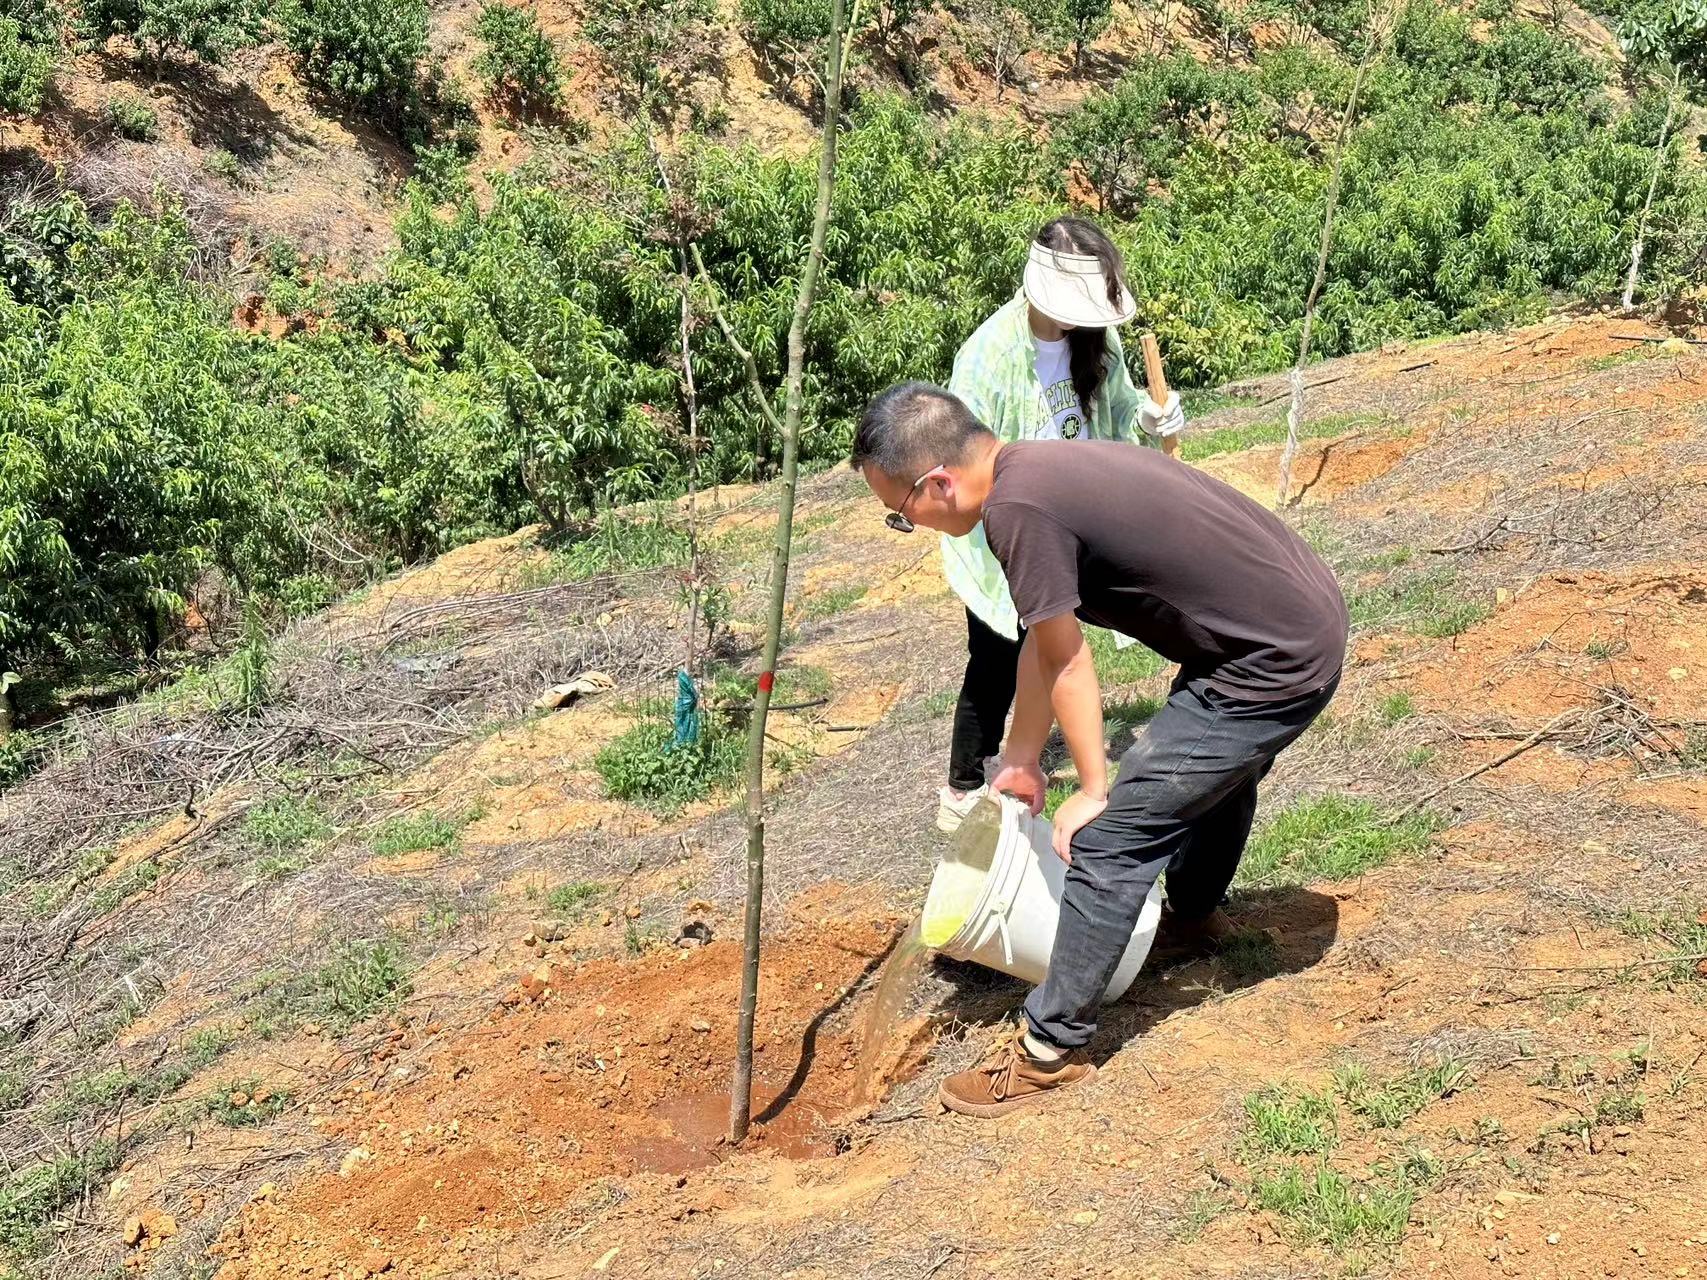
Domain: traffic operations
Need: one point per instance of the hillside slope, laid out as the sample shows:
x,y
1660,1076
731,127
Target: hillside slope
x,y
378,979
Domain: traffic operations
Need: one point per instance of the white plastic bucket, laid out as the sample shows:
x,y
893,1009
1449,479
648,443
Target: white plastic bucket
x,y
996,899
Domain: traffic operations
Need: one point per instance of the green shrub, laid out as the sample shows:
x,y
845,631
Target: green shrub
x,y
643,766
566,899
132,118
210,29
26,70
519,64
367,53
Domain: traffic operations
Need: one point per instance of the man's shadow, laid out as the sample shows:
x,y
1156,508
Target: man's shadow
x,y
1282,931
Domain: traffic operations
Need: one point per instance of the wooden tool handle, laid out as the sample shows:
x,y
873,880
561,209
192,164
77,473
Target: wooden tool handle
x,y
1155,380
1157,384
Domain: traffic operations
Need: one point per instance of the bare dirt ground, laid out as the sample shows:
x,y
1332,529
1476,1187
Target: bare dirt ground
x,y
540,1091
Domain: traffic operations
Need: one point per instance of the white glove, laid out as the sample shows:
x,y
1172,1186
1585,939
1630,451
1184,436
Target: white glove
x,y
1162,419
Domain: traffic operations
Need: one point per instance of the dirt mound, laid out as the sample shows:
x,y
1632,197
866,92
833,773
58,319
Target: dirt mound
x,y
608,1068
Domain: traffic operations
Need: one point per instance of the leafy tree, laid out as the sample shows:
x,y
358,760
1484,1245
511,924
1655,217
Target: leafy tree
x,y
1667,37
1306,88
1527,68
26,70
996,35
654,48
367,53
1078,22
787,35
519,63
210,29
1134,134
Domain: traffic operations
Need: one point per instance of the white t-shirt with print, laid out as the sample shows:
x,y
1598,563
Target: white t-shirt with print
x,y
1054,373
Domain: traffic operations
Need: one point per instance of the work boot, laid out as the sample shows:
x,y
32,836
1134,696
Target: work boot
x,y
1010,1078
1178,938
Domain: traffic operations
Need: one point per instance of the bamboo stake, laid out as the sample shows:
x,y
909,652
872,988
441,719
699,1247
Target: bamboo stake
x,y
1636,245
741,1092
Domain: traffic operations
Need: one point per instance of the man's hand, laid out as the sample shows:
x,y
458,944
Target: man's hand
x,y
1025,782
1080,810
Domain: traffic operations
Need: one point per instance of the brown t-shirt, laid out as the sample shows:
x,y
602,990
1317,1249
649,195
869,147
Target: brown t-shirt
x,y
1132,540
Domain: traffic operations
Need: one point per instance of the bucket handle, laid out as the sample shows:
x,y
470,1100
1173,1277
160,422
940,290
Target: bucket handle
x,y
1007,939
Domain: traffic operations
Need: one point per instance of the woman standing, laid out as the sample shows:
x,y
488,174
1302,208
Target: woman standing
x,y
1047,365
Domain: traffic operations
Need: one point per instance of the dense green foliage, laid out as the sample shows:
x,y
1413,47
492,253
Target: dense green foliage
x,y
653,47
516,360
518,63
26,70
364,52
209,29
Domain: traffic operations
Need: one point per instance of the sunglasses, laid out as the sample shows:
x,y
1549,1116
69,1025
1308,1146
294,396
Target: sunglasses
x,y
897,520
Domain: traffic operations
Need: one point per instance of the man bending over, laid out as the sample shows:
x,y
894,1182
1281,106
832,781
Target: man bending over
x,y
1131,540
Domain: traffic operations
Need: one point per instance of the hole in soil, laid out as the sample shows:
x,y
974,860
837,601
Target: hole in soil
x,y
698,1123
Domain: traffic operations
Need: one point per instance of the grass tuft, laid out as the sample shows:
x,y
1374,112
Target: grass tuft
x,y
414,832
1426,604
1287,1124
1121,666
827,604
284,824
1388,1104
1326,1207
1331,837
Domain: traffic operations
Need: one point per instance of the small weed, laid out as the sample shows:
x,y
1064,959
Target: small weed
x,y
1393,558
1290,1124
1326,1207
1250,954
33,1197
1693,756
132,118
1200,401
285,824
205,1046
1389,1104
794,685
1195,446
1633,354
1419,757
1130,713
1121,666
616,545
1397,707
1331,837
246,1104
1684,934
439,918
137,879
14,1089
1057,795
1620,1107
937,704
571,899
1201,1208
412,833
826,604
1490,1132
364,978
1427,604
1599,649
279,866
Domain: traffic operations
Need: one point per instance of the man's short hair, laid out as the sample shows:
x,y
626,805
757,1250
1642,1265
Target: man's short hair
x,y
912,427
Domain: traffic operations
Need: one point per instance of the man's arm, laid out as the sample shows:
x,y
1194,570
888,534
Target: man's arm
x,y
1057,684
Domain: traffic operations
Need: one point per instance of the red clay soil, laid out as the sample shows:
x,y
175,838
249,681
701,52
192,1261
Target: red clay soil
x,y
1568,635
610,1068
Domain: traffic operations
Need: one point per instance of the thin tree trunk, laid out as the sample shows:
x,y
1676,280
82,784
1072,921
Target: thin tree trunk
x,y
741,1093
1636,245
1295,409
690,402
6,714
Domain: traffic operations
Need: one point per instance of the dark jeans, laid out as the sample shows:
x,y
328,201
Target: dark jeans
x,y
986,696
1183,803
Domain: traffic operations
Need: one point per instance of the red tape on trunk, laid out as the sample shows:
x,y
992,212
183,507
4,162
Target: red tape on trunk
x,y
767,682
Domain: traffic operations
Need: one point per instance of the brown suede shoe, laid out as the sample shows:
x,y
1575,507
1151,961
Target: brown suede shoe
x,y
1178,939
1009,1078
